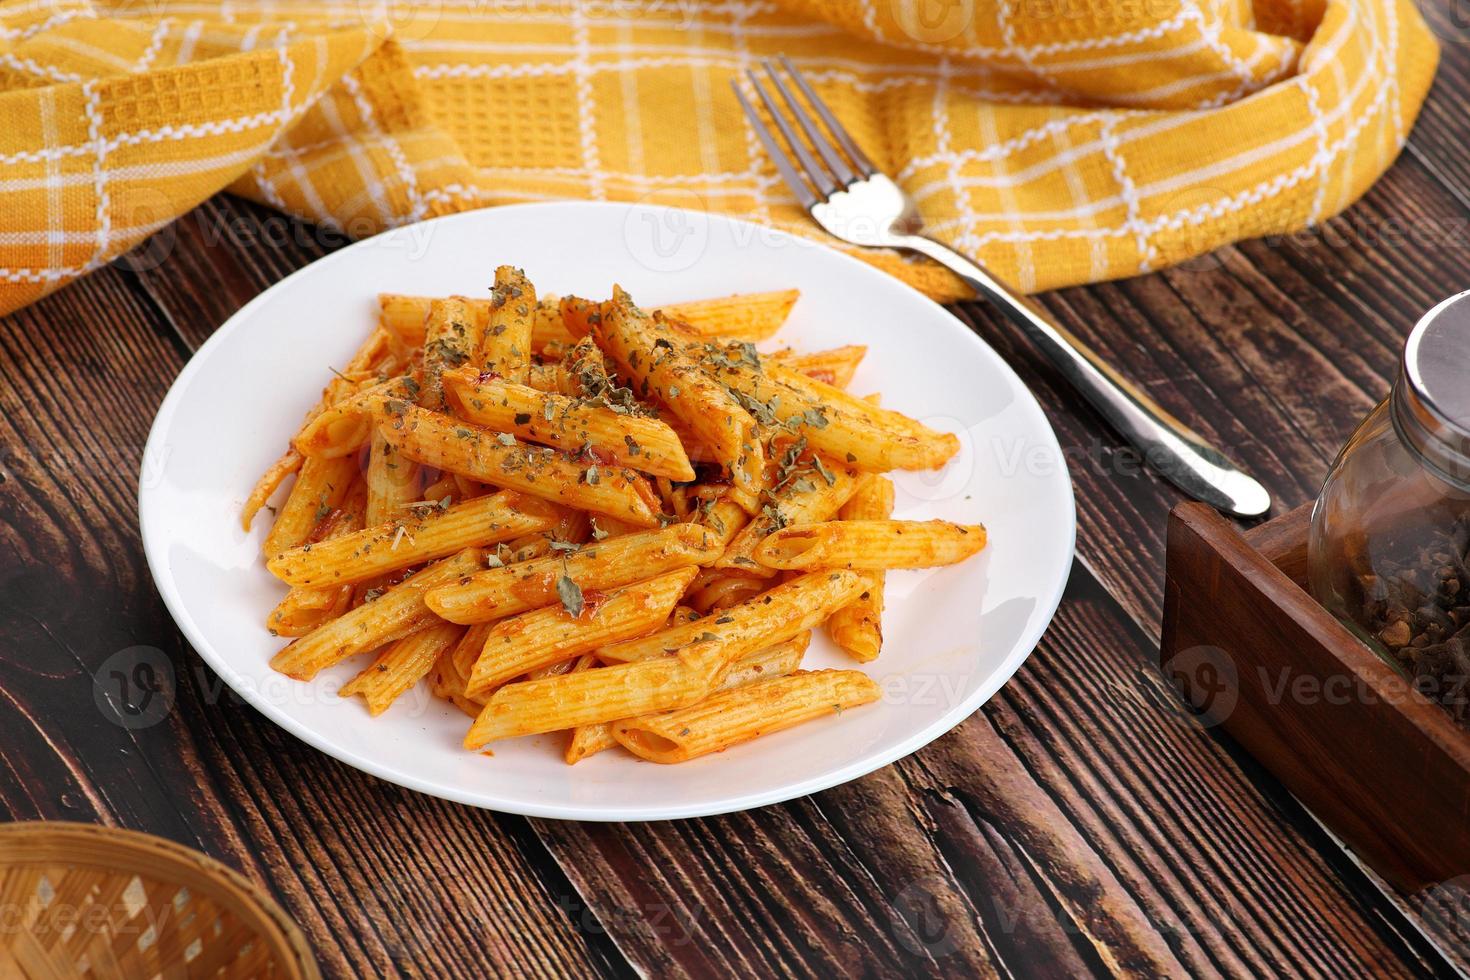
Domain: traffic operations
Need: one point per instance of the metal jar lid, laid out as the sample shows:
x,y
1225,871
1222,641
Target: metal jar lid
x,y
1431,402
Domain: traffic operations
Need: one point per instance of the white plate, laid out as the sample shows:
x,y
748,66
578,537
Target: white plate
x,y
952,636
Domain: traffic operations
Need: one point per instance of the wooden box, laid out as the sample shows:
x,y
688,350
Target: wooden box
x,y
1383,767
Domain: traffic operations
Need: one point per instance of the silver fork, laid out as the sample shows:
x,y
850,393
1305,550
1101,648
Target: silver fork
x,y
853,201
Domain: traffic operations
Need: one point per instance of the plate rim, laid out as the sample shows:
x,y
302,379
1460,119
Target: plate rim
x,y
164,582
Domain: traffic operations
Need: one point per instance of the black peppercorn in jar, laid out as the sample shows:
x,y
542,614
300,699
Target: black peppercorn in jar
x,y
1390,539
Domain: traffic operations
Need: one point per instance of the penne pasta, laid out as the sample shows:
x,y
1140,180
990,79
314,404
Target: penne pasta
x,y
270,481
505,346
422,534
549,335
723,515
396,613
772,661
742,713
775,661
401,665
550,377
468,650
858,626
449,341
772,616
571,514
304,610
320,486
605,694
347,426
500,460
744,316
392,481
808,490
717,588
446,682
511,589
834,422
871,544
616,437
835,367
654,358
534,639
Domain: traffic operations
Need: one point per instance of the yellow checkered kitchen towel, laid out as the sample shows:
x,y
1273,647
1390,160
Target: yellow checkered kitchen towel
x,y
1060,141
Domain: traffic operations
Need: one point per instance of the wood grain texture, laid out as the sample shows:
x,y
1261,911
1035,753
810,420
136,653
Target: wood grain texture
x,y
1083,823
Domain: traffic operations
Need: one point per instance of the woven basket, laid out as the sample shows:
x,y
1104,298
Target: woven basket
x,y
78,900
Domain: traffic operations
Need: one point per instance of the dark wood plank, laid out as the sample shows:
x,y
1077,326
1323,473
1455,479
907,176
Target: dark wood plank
x,y
382,880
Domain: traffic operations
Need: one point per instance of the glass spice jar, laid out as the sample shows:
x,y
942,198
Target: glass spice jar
x,y
1389,552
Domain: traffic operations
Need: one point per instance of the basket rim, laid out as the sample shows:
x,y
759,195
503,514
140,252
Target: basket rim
x,y
149,856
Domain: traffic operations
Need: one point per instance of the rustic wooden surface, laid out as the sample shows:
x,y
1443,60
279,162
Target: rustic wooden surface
x,y
1083,822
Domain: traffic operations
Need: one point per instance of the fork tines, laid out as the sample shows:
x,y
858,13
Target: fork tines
x,y
835,166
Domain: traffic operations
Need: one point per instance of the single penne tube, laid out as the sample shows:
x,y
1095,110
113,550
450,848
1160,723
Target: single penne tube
x,y
401,665
870,544
832,425
449,341
512,589
835,367
742,713
775,661
505,346
532,640
549,335
422,534
392,480
585,740
500,460
578,316
858,626
652,354
346,427
320,486
270,481
810,491
305,610
744,316
468,650
391,616
588,740
723,515
771,617
604,694
620,438
445,682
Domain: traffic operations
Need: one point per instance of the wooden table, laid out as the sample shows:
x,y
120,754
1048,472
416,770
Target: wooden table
x,y
1081,823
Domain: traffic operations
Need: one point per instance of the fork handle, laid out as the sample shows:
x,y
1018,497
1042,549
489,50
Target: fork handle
x,y
1178,453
